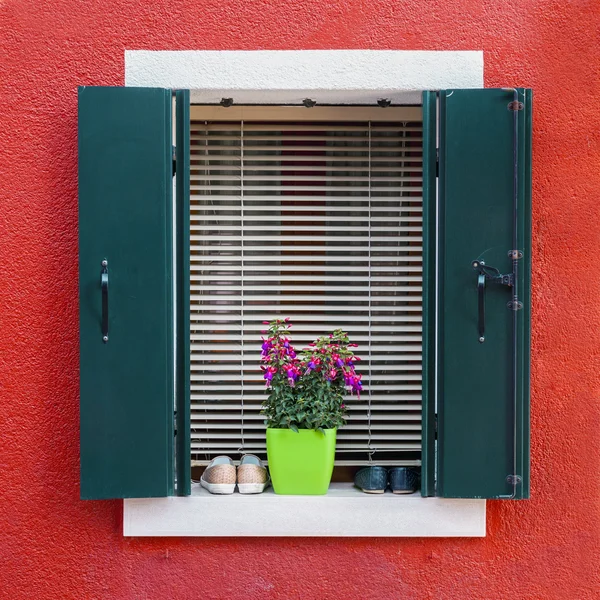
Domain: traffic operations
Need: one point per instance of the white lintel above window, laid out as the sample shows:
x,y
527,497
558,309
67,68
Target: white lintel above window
x,y
290,76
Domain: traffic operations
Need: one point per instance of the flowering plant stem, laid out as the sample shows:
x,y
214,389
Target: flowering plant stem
x,y
306,390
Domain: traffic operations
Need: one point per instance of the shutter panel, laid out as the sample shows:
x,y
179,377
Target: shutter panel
x,y
429,258
483,393
125,218
182,186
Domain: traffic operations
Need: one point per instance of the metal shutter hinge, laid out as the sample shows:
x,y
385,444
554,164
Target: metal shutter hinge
x,y
514,479
515,303
515,105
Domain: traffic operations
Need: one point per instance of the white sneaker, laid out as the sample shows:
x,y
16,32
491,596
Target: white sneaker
x,y
252,476
219,476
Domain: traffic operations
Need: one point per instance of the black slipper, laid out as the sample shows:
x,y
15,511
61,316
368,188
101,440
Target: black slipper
x,y
404,480
372,480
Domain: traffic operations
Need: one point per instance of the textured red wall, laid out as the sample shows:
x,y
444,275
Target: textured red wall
x,y
52,545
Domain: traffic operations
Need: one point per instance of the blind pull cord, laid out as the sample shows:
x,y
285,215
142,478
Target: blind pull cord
x,y
371,450
241,449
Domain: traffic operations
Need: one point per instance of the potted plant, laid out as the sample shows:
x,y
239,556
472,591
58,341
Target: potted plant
x,y
305,406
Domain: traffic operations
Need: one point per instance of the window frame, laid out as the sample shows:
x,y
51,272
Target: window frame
x,y
361,93
442,69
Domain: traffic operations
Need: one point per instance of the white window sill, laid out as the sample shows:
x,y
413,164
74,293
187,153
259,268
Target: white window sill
x,y
344,512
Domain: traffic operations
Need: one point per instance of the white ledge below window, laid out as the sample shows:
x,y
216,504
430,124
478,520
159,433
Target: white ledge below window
x,y
344,512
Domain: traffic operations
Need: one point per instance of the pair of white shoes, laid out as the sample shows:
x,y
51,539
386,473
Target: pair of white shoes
x,y
221,475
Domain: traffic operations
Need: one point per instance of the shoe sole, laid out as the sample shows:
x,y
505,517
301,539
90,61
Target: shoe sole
x,y
372,491
404,491
251,488
218,488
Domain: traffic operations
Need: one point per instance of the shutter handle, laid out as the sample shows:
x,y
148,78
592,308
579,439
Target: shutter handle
x,y
104,287
494,275
481,295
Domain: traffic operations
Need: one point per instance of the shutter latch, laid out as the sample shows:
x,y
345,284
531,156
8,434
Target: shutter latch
x,y
490,274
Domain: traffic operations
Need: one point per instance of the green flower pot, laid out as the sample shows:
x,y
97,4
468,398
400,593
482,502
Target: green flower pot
x,y
300,463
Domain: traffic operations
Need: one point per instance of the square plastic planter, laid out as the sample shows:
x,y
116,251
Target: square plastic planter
x,y
301,463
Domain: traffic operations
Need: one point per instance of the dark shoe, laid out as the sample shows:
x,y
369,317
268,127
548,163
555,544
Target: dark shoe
x,y
404,480
372,480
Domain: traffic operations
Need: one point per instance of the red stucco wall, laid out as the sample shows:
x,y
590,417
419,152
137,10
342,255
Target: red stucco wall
x,y
52,545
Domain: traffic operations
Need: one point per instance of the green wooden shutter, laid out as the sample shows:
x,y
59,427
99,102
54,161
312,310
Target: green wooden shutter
x,y
429,296
126,219
182,186
483,387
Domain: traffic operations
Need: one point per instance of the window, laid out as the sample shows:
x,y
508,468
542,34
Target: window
x,y
132,381
317,217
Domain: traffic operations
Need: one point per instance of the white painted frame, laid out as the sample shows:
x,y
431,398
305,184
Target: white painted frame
x,y
287,77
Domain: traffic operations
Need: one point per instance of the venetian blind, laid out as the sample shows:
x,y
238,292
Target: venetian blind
x,y
320,222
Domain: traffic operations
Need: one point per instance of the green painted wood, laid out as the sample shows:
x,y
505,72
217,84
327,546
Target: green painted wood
x,y
182,202
523,422
125,217
429,258
475,380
